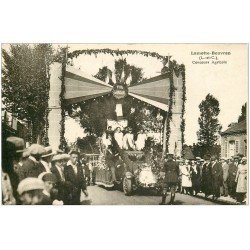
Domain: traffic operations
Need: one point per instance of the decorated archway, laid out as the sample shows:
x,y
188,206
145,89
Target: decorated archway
x,y
69,85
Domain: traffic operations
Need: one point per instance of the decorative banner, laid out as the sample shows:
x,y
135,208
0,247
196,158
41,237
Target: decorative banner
x,y
80,87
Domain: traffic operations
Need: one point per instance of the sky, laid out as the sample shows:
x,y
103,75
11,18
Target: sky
x,y
226,82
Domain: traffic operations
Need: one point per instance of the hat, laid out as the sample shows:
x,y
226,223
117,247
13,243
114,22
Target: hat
x,y
65,157
236,157
60,157
197,158
59,151
36,149
244,159
29,184
17,142
223,158
45,176
49,152
57,158
26,153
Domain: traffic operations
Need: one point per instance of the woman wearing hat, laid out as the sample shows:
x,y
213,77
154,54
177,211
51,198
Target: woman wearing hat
x,y
241,180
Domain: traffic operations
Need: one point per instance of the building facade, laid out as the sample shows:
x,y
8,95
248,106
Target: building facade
x,y
234,140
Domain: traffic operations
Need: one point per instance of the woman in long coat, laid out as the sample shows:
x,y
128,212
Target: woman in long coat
x,y
241,179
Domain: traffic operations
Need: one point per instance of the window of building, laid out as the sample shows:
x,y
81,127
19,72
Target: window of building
x,y
236,147
226,153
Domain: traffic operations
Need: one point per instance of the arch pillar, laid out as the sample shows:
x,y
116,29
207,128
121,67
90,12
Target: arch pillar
x,y
55,116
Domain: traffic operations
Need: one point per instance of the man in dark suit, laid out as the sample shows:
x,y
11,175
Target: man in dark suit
x,y
61,185
232,171
217,177
32,167
74,175
171,169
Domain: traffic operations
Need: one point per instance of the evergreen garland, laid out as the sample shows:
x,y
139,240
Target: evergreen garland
x,y
184,98
63,143
169,114
45,137
117,52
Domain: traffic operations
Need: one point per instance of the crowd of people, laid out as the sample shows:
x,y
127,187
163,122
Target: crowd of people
x,y
38,176
211,176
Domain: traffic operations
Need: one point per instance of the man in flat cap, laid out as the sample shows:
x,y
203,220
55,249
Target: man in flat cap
x,y
49,192
217,177
74,175
32,167
30,191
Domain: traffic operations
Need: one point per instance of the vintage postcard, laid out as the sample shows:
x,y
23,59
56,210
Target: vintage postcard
x,y
124,124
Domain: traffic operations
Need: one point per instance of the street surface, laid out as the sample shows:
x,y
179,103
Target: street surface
x,y
101,196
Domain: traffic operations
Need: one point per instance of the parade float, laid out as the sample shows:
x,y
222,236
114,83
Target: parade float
x,y
165,92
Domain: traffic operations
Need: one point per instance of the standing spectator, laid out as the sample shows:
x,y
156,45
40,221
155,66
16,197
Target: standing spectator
x,y
224,187
195,177
241,180
12,150
31,191
217,177
46,158
206,180
32,167
74,175
171,170
181,164
232,171
186,177
63,188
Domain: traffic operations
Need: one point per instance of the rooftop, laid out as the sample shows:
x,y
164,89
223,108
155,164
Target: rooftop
x,y
237,128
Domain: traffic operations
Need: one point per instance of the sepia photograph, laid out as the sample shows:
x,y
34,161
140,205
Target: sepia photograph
x,y
124,124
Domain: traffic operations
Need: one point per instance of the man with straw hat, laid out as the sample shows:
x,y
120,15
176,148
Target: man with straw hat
x,y
63,187
46,158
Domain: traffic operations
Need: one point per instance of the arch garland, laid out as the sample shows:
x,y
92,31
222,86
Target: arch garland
x,y
171,69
